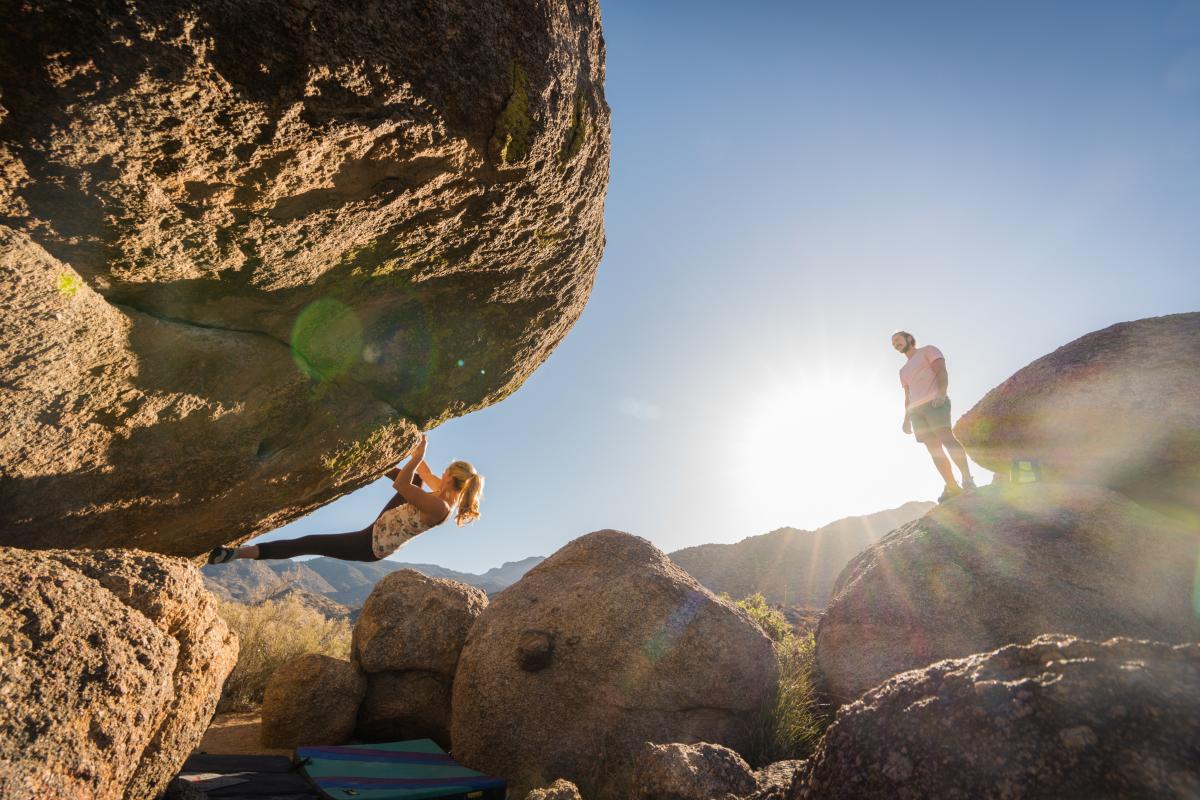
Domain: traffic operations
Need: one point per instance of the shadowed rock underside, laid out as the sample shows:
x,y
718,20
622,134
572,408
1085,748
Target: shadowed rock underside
x,y
246,250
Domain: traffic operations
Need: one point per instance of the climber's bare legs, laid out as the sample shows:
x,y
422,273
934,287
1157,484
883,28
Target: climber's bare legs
x,y
957,452
941,461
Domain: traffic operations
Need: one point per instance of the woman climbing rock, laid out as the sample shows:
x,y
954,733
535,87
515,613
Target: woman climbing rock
x,y
410,512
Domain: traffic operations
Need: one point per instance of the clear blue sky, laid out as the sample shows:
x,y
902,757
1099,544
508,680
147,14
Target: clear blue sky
x,y
790,183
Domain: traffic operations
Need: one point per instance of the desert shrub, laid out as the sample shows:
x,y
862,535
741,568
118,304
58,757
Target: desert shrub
x,y
791,723
771,620
270,634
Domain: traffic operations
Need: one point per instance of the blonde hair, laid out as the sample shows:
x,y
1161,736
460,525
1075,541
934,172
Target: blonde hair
x,y
466,491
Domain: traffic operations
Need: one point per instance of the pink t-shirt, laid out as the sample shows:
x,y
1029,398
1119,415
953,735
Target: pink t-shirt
x,y
918,376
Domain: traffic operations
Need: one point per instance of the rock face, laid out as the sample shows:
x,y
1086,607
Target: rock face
x,y
1118,408
408,640
112,663
311,700
691,772
1059,717
1004,565
246,252
600,648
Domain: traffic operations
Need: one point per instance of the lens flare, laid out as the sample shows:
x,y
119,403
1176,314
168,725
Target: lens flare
x,y
327,339
1196,588
663,639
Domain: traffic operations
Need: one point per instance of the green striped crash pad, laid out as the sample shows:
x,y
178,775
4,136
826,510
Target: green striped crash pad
x,y
394,770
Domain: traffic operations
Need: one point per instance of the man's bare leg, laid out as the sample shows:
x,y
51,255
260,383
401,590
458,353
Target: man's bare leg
x,y
956,451
941,462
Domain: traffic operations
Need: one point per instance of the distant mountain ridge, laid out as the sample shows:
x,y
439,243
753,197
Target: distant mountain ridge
x,y
344,582
789,567
792,567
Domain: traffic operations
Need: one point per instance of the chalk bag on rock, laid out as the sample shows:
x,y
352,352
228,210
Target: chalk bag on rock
x,y
1025,470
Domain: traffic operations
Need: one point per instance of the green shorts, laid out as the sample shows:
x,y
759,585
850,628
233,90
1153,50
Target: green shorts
x,y
927,420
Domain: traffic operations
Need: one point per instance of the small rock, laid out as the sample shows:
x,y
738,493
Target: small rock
x,y
774,780
691,772
311,700
405,705
559,790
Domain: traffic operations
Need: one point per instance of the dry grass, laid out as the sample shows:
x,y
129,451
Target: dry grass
x,y
269,635
791,724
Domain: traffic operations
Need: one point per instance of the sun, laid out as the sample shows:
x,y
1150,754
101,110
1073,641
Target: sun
x,y
823,444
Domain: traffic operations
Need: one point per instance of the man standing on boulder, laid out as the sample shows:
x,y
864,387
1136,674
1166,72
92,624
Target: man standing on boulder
x,y
927,409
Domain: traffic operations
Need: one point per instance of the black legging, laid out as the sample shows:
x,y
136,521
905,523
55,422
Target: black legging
x,y
352,546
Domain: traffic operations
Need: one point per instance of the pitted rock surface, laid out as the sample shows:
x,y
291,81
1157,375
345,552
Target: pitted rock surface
x,y
699,771
400,706
1059,717
559,790
1118,407
413,622
112,663
642,652
1002,565
311,700
245,252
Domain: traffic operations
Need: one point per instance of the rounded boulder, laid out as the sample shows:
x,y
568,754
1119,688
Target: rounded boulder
x,y
311,700
605,645
413,622
1005,564
1058,717
1118,408
405,705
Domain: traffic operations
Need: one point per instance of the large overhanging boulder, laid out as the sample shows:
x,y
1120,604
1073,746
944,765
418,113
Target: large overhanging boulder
x,y
247,250
1118,407
1004,565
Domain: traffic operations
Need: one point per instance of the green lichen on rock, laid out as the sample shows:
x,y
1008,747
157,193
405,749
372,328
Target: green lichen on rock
x,y
546,237
514,126
68,284
347,458
578,132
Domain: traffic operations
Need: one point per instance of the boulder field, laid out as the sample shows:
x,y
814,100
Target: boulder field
x,y
111,665
1005,564
246,251
600,648
1058,717
407,642
396,685
1119,407
605,646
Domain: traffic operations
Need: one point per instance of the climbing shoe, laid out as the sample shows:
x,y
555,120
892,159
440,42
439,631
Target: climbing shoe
x,y
950,491
220,555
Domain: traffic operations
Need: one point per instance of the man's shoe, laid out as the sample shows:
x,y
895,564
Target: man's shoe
x,y
950,491
968,485
220,555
